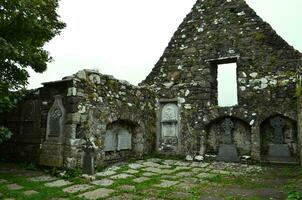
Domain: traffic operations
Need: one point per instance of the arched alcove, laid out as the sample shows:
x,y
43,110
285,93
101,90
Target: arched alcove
x,y
278,138
228,130
122,139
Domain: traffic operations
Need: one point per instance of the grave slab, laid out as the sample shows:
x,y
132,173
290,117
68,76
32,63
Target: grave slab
x,y
77,188
57,183
96,194
14,186
103,182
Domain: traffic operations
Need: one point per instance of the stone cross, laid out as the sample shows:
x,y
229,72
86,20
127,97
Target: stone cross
x,y
227,126
277,123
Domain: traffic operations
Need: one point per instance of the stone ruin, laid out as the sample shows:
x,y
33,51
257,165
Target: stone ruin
x,y
93,119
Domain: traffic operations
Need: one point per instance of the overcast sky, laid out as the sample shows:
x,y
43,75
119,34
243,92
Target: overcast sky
x,y
125,38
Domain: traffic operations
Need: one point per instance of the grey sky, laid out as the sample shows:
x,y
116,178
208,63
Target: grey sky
x,y
125,38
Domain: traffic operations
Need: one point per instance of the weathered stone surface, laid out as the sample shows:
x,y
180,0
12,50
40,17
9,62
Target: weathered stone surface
x,y
135,166
57,183
103,182
30,192
77,188
14,186
127,187
149,174
131,171
105,173
124,197
121,176
141,179
43,178
3,181
167,183
96,194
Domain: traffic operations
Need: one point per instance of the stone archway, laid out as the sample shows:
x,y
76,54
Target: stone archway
x,y
228,135
278,139
122,139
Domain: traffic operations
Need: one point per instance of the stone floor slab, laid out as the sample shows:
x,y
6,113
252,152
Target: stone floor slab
x,y
57,183
127,187
141,179
167,183
124,196
30,192
96,194
14,186
3,181
77,188
43,178
121,176
135,166
103,182
131,171
149,174
206,175
105,173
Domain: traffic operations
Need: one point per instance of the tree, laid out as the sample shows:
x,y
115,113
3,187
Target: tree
x,y
25,26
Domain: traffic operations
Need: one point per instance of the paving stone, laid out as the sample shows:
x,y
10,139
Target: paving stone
x,y
30,192
127,187
124,196
131,171
141,179
135,166
148,174
164,166
222,172
155,160
14,186
190,180
180,195
167,183
181,163
105,173
159,171
103,182
150,164
57,183
185,186
43,178
3,181
96,194
59,199
77,188
206,175
169,162
9,199
182,168
184,174
121,176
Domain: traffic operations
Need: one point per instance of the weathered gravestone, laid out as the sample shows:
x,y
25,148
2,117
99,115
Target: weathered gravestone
x,y
117,139
52,148
88,163
278,150
227,151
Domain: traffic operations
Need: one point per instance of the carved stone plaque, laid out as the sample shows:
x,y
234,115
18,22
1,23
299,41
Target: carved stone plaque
x,y
56,118
170,112
110,141
124,140
169,129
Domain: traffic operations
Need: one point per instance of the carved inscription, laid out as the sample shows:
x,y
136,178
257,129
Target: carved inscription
x,y
227,127
55,118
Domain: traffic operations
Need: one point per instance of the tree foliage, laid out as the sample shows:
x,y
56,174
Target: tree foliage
x,y
25,26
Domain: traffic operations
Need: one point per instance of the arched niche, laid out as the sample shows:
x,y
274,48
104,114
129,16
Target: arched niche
x,y
228,130
123,138
278,138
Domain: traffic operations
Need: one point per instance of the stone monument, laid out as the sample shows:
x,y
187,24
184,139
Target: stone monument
x,y
278,150
227,151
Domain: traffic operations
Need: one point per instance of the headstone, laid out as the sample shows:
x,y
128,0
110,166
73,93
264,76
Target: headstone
x,y
169,124
110,141
124,140
277,123
278,151
56,118
227,151
88,158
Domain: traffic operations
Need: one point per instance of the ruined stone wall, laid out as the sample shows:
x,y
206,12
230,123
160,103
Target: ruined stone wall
x,y
217,32
103,103
55,122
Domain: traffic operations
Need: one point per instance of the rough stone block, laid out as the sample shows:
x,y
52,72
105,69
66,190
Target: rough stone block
x,y
228,153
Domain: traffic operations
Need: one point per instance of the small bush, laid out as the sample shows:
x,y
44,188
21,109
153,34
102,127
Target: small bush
x,y
294,195
5,134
